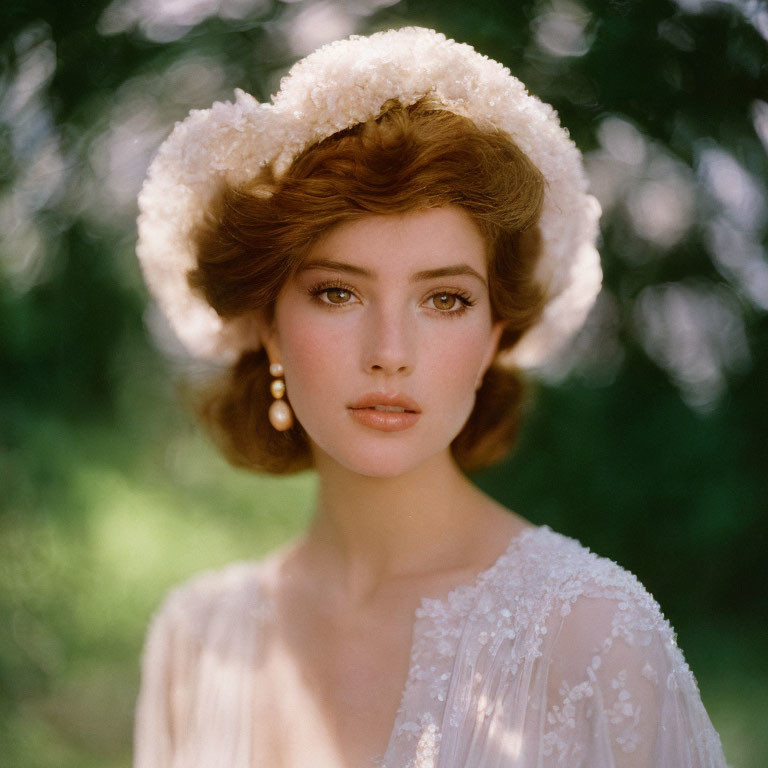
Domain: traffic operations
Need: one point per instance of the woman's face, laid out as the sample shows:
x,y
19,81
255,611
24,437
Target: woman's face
x,y
388,310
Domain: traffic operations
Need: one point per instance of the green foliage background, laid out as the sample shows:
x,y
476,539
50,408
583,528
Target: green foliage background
x,y
108,494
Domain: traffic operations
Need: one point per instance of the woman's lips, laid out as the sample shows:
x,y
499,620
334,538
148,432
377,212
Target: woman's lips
x,y
386,421
386,400
388,412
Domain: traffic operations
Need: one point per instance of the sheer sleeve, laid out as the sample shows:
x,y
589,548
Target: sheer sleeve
x,y
152,731
195,706
619,693
164,697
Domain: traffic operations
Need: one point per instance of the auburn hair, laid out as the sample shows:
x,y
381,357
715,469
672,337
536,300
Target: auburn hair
x,y
406,159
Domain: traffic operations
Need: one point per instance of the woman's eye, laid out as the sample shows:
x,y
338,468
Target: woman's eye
x,y
445,302
332,294
337,295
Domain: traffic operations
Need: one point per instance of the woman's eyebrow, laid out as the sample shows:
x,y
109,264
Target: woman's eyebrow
x,y
426,274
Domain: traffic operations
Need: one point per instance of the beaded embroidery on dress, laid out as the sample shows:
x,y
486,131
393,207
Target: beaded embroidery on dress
x,y
554,657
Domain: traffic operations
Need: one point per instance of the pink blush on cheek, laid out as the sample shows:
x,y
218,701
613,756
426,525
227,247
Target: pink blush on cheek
x,y
318,352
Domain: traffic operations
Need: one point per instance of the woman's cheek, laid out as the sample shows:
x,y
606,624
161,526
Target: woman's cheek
x,y
455,357
315,358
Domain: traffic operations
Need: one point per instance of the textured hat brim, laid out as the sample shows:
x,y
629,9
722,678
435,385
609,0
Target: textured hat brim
x,y
336,87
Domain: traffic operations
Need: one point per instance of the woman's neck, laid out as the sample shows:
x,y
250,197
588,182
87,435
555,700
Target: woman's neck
x,y
370,533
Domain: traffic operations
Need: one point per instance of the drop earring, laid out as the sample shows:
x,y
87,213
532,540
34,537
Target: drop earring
x,y
280,413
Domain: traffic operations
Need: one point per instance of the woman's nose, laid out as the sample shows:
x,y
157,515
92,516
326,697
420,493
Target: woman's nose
x,y
389,342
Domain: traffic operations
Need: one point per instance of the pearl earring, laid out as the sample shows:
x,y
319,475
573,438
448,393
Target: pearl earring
x,y
280,413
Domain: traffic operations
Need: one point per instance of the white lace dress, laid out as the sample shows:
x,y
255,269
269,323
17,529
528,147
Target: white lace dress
x,y
554,657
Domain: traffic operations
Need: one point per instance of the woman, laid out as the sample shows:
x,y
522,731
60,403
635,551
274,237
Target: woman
x,y
377,253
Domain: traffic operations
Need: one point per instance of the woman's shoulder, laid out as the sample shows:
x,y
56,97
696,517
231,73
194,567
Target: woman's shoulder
x,y
595,621
545,582
612,660
561,573
227,593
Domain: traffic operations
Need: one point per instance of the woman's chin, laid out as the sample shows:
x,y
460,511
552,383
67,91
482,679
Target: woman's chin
x,y
382,466
377,461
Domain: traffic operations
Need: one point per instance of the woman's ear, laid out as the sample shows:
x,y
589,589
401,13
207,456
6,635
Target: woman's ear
x,y
492,347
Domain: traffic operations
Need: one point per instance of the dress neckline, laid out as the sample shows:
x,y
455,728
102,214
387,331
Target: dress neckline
x,y
436,610
461,597
433,610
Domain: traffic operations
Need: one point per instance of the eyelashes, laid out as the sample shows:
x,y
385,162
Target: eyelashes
x,y
337,287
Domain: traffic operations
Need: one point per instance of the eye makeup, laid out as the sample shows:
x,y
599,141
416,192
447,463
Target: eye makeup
x,y
317,290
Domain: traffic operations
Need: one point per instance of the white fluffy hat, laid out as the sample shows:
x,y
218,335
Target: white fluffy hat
x,y
336,87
